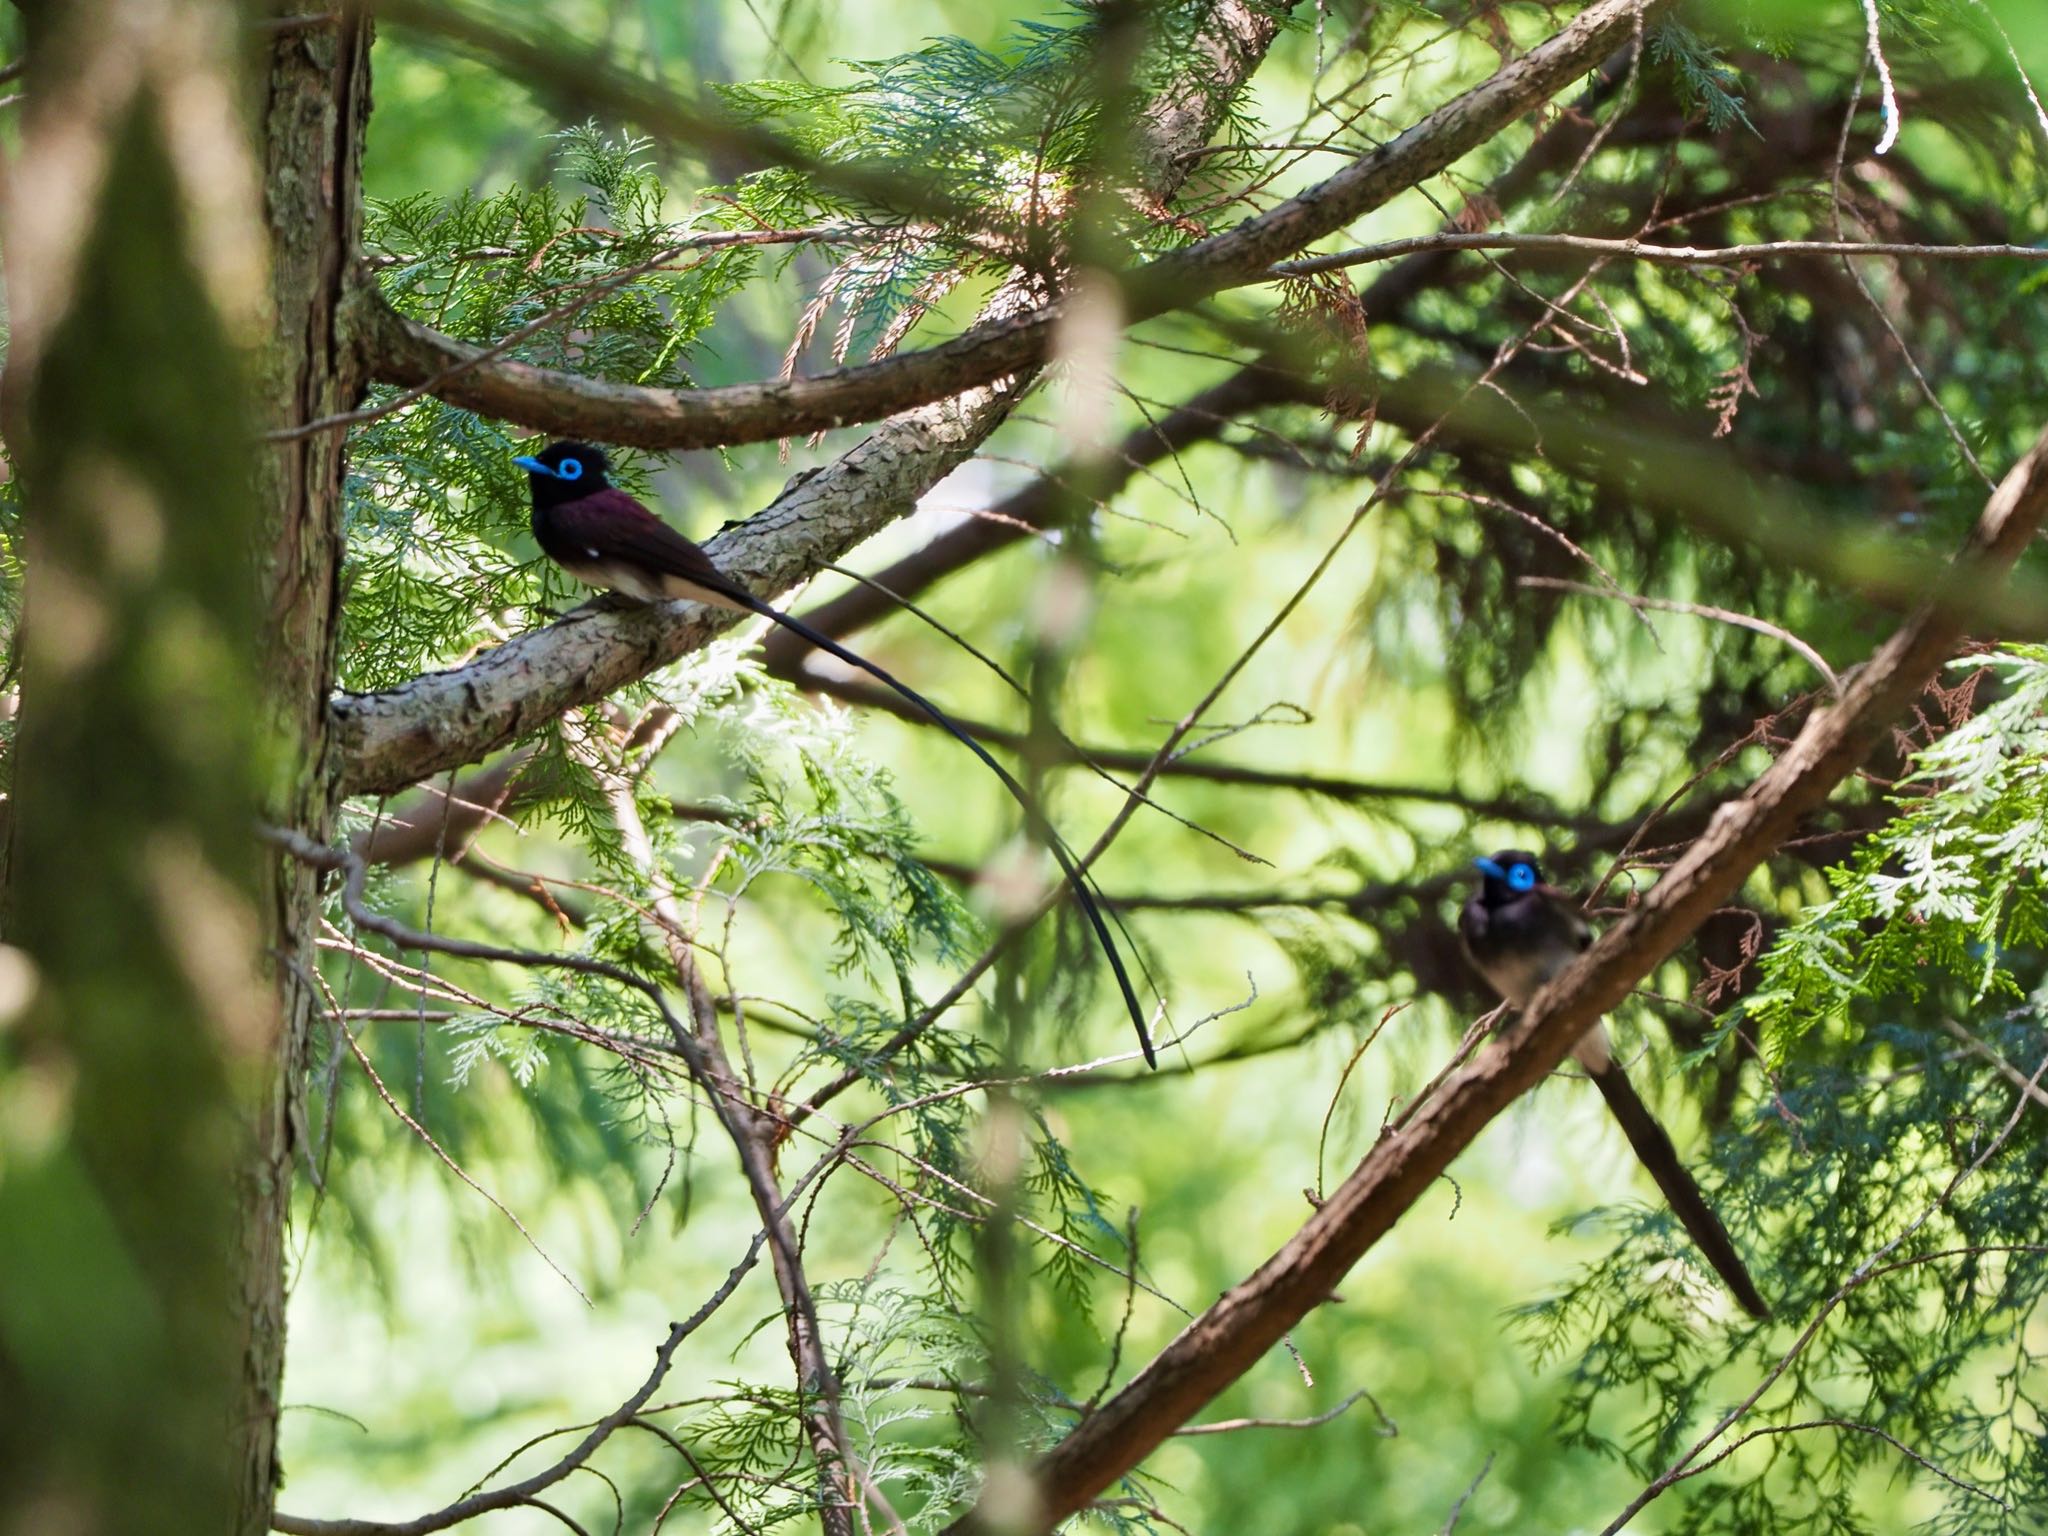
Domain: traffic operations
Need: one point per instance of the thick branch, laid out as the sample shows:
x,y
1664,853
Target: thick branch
x,y
445,719
565,404
568,405
1230,1337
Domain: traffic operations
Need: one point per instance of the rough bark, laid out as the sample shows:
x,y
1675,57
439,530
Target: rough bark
x,y
140,1226
442,720
314,105
1267,380
395,738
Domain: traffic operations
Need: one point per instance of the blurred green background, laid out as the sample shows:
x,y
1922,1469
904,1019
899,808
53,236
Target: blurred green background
x,y
428,1340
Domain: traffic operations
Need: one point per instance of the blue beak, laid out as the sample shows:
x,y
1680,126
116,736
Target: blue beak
x,y
527,461
1489,867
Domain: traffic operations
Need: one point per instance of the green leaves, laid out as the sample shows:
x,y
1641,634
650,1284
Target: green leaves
x,y
440,560
1706,82
1946,894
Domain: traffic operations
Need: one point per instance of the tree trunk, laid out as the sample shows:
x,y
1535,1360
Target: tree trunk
x,y
178,654
316,103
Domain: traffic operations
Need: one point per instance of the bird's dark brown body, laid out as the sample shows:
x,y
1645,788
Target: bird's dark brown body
x,y
605,539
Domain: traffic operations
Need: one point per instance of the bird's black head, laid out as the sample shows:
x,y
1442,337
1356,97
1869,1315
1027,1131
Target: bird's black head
x,y
1510,873
564,471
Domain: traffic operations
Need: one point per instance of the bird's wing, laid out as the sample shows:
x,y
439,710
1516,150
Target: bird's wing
x,y
1567,906
1471,919
611,524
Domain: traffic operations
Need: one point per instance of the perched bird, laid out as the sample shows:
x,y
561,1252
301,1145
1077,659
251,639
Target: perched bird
x,y
1518,932
604,538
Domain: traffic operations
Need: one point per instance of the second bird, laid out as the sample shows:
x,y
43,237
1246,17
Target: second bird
x,y
1518,932
604,538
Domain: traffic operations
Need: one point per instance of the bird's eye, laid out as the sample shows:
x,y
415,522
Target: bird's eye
x,y
1521,877
569,469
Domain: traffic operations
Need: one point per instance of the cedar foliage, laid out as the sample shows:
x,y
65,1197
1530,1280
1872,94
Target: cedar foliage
x,y
1859,1033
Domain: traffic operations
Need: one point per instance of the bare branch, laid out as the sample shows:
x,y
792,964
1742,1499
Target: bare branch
x,y
1649,457
413,1125
385,331
1259,383
1698,611
730,1114
1268,379
1665,255
1185,765
524,1491
1231,1426
579,80
1852,1426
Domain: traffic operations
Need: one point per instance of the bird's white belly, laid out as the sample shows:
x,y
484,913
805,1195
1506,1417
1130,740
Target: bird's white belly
x,y
614,576
1519,977
641,585
1522,978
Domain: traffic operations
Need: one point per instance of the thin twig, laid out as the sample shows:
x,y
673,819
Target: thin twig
x,y
1079,753
1388,1429
1698,611
1864,1273
1884,318
453,1167
524,1491
1641,250
2005,1068
1862,1429
1457,1510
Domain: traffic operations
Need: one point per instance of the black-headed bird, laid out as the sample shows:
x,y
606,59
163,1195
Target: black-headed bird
x,y
606,539
1519,931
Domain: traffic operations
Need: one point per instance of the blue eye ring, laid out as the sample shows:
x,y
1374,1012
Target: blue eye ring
x,y
569,469
1521,877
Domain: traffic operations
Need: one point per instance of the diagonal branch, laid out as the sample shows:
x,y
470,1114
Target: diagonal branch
x,y
1225,1341
724,1109
523,1491
569,405
1527,809
1259,383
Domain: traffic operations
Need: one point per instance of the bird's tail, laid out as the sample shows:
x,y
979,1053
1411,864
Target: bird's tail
x,y
1656,1153
1076,881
